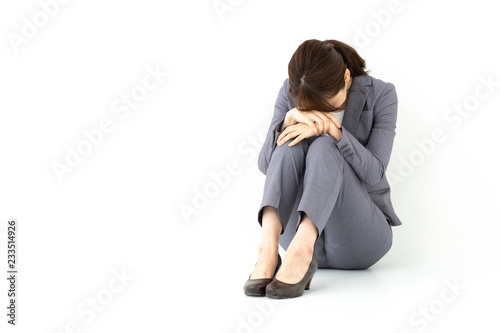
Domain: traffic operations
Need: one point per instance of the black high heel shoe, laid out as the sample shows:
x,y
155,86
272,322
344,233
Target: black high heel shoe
x,y
257,287
278,289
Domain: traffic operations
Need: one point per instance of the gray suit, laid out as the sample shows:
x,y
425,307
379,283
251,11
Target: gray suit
x,y
341,185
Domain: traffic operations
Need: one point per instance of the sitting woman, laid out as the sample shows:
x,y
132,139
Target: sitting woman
x,y
326,197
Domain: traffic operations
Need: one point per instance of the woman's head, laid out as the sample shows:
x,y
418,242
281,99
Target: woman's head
x,y
318,73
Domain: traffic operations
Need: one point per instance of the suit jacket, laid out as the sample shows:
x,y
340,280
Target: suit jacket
x,y
368,129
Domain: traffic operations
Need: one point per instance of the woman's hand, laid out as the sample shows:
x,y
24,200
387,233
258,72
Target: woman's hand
x,y
335,130
299,131
319,122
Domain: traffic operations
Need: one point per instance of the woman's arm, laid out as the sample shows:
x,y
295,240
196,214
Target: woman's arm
x,y
370,161
276,127
283,117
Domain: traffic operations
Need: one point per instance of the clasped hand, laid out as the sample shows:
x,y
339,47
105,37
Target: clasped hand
x,y
304,124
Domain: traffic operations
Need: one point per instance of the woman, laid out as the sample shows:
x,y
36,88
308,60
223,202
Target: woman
x,y
326,197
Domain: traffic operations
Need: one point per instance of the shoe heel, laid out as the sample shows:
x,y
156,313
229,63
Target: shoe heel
x,y
278,289
308,285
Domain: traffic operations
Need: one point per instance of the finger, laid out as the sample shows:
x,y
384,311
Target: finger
x,y
320,123
285,132
318,130
309,119
312,125
283,139
281,136
334,120
326,122
327,125
297,140
286,138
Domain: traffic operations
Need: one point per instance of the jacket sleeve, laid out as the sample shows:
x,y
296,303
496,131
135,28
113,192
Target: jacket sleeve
x,y
280,110
370,161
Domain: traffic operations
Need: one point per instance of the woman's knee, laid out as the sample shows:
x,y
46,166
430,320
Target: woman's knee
x,y
298,150
324,147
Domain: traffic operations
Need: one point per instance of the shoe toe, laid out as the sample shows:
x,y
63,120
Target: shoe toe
x,y
256,288
276,290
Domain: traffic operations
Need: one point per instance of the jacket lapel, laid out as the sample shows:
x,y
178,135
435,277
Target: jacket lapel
x,y
357,98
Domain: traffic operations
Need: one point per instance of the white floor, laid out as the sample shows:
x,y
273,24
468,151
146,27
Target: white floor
x,y
176,294
389,297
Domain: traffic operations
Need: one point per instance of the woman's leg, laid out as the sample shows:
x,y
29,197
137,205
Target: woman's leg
x,y
299,253
354,232
321,185
268,247
336,206
283,179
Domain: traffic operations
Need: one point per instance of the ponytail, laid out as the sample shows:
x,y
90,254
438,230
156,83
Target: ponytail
x,y
354,62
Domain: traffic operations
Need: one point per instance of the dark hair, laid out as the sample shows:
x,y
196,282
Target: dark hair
x,y
316,72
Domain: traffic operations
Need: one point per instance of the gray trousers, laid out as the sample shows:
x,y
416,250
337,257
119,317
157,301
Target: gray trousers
x,y
313,177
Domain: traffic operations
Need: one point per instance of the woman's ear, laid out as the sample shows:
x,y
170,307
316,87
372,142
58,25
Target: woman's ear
x,y
347,75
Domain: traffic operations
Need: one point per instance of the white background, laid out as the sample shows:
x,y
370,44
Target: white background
x,y
119,210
